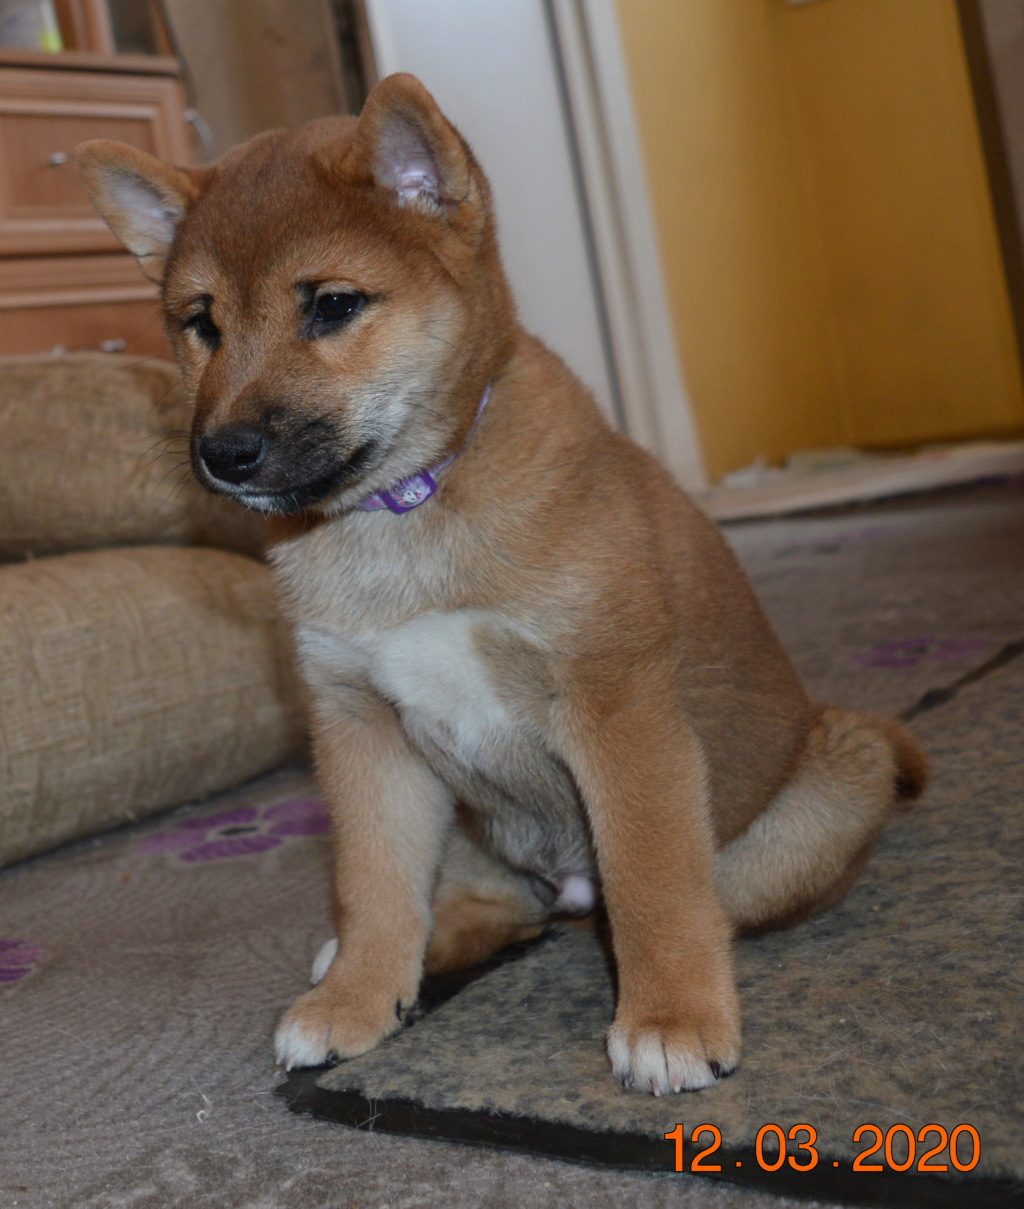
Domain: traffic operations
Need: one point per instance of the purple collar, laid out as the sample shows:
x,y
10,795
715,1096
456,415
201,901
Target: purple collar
x,y
409,493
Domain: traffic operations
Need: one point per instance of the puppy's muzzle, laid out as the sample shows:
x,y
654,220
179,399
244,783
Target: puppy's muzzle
x,y
233,454
278,471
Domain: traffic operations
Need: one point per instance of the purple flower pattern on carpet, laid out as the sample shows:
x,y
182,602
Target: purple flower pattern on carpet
x,y
17,960
909,652
243,831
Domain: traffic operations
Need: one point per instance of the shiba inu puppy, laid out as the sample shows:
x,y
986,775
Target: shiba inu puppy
x,y
538,675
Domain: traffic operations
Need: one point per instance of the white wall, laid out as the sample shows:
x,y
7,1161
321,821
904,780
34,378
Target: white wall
x,y
491,67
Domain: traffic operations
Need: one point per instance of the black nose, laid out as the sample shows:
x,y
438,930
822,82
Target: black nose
x,y
233,454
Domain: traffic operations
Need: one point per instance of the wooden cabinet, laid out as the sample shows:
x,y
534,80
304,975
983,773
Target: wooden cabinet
x,y
64,279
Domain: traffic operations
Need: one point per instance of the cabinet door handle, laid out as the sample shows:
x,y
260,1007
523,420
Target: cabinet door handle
x,y
57,158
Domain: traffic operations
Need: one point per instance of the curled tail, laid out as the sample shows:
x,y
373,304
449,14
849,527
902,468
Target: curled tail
x,y
803,852
911,763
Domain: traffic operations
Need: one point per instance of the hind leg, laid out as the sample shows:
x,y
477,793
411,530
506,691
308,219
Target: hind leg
x,y
804,850
480,905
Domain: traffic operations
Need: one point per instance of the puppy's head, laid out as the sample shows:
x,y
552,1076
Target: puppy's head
x,y
334,295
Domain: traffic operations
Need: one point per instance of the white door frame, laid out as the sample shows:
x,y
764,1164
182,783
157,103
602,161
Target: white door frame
x,y
597,257
655,403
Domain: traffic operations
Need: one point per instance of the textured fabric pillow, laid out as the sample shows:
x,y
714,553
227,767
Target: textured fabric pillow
x,y
132,680
94,452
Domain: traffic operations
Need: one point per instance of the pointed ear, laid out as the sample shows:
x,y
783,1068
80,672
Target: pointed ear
x,y
406,146
141,199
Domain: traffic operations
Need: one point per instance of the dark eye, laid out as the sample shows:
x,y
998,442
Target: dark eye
x,y
205,328
333,309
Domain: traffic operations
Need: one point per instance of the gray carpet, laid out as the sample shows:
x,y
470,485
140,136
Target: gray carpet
x,y
135,1059
143,971
901,1005
880,604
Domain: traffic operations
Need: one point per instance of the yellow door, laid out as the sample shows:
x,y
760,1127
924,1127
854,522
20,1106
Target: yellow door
x,y
825,221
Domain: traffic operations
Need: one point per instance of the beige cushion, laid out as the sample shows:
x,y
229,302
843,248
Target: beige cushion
x,y
133,680
94,452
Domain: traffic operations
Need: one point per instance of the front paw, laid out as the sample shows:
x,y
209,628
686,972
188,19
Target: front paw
x,y
661,1056
333,1022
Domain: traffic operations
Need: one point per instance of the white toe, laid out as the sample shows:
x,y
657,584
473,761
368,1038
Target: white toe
x,y
645,1062
297,1046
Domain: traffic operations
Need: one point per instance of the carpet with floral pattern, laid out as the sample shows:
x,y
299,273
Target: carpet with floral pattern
x,y
141,972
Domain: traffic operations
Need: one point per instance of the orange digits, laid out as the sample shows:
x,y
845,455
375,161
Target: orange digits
x,y
858,1162
886,1143
812,1137
759,1147
676,1135
954,1158
922,1162
697,1165
908,1133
